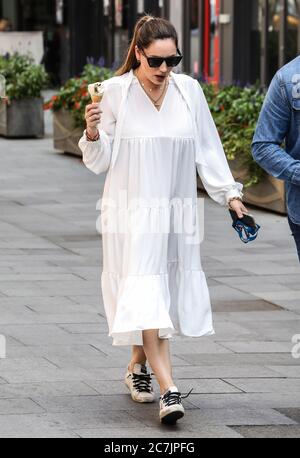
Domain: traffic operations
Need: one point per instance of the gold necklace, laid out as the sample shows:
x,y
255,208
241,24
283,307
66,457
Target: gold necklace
x,y
156,104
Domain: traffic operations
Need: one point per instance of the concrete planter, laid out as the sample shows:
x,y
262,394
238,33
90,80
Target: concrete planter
x,y
22,118
269,194
66,137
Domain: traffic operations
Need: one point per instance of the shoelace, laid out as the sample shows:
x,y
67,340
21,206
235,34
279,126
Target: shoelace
x,y
171,398
142,383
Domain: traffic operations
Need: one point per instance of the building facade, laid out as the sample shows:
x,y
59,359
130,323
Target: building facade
x,y
223,41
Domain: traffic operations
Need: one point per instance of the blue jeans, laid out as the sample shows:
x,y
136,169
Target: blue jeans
x,y
295,228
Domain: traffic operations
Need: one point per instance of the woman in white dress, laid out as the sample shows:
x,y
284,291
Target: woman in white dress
x,y
152,282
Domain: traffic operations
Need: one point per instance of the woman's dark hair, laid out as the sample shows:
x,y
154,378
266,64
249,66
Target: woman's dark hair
x,y
147,30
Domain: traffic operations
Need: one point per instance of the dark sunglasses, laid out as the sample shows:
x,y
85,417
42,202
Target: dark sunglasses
x,y
156,62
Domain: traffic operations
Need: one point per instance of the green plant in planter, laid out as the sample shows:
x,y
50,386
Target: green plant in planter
x,y
24,79
235,111
74,96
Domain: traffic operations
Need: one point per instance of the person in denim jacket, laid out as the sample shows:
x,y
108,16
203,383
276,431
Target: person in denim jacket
x,y
276,143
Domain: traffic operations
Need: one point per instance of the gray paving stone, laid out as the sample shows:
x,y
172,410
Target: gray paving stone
x,y
243,305
61,308
220,372
257,316
272,400
102,361
196,418
258,347
224,292
87,273
51,352
276,331
46,269
18,277
287,371
50,301
226,330
292,305
204,386
279,385
5,270
48,375
87,404
86,300
292,413
198,345
97,403
241,359
20,364
116,387
184,385
29,390
19,406
285,295
39,288
64,321
268,432
85,327
114,420
161,432
37,334
32,426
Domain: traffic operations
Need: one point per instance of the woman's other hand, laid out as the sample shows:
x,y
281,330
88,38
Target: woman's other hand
x,y
239,208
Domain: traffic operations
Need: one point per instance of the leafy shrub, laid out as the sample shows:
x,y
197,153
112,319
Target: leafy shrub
x,y
74,96
235,111
24,79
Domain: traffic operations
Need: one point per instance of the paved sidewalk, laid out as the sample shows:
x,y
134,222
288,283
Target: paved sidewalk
x,y
63,378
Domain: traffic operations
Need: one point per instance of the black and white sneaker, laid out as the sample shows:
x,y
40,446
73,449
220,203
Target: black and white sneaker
x,y
171,408
139,384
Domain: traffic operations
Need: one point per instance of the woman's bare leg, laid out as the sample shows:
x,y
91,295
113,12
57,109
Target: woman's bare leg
x,y
165,352
158,355
138,356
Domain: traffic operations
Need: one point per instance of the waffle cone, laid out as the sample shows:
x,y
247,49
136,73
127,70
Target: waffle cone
x,y
96,98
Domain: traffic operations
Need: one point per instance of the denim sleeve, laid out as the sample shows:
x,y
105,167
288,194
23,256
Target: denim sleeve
x,y
272,128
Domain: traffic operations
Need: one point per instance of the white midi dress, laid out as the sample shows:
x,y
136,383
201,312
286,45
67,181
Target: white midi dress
x,y
152,275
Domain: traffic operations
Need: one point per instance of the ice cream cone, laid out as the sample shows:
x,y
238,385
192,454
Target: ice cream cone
x,y
96,91
97,98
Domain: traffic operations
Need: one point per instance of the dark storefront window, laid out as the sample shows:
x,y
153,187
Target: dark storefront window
x,y
256,42
48,16
292,29
121,30
273,37
269,23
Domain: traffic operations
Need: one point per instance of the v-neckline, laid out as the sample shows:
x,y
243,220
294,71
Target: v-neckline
x,y
148,98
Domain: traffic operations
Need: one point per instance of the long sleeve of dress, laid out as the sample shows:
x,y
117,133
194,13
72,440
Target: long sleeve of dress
x,y
216,175
97,155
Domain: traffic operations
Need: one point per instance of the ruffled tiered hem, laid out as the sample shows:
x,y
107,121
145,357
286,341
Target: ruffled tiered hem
x,y
176,302
168,215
